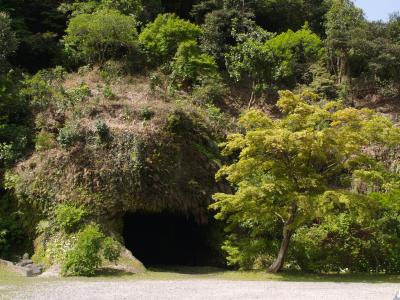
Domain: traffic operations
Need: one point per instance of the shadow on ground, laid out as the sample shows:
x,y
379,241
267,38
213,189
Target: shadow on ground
x,y
187,270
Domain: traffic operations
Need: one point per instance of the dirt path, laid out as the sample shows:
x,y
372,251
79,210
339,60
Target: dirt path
x,y
203,289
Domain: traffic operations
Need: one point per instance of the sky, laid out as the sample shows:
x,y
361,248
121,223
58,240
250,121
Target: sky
x,y
378,9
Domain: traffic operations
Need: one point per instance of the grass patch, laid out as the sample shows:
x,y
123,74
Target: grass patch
x,y
9,277
182,273
12,280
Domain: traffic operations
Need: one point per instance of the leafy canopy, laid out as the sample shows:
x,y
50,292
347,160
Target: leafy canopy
x,y
190,66
69,217
162,37
281,59
8,40
285,167
128,7
102,35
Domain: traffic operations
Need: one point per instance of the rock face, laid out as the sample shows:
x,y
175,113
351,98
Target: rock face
x,y
171,168
128,263
123,156
25,267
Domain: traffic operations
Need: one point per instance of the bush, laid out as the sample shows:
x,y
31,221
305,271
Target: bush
x,y
83,259
220,29
108,93
190,66
103,35
69,135
78,94
102,131
280,61
179,123
363,237
69,217
210,91
111,249
111,70
146,113
8,40
86,255
162,37
43,88
45,141
13,227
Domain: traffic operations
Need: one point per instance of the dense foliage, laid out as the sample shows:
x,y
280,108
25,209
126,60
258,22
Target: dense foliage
x,y
301,169
190,66
279,62
115,106
103,35
162,37
8,41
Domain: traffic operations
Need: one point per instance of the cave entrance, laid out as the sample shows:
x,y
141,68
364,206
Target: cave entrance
x,y
166,239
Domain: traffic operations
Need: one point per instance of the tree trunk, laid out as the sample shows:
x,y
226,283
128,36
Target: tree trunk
x,y
252,95
287,234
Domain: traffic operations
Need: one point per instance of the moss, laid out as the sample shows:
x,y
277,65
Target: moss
x,y
111,162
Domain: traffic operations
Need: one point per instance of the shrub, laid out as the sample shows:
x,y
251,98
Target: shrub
x,y
220,29
8,40
100,36
216,116
179,123
78,94
280,61
102,131
162,37
111,249
43,88
86,255
146,113
12,227
108,92
83,259
69,217
45,141
210,91
155,81
111,70
190,66
69,135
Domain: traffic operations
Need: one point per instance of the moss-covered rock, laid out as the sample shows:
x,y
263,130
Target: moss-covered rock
x,y
109,159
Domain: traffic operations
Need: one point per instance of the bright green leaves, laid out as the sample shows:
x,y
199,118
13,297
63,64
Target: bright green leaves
x,y
69,217
321,157
171,42
255,119
86,255
280,60
190,66
80,246
103,35
128,7
162,37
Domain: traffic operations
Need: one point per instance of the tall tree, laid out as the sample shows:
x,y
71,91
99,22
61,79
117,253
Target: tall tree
x,y
342,21
283,167
279,61
38,26
8,40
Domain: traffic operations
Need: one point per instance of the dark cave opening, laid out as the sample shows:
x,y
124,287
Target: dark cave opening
x,y
166,239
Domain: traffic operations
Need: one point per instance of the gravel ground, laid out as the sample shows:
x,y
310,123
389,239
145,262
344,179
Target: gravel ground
x,y
204,289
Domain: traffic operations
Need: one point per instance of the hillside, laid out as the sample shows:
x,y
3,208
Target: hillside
x,y
239,134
